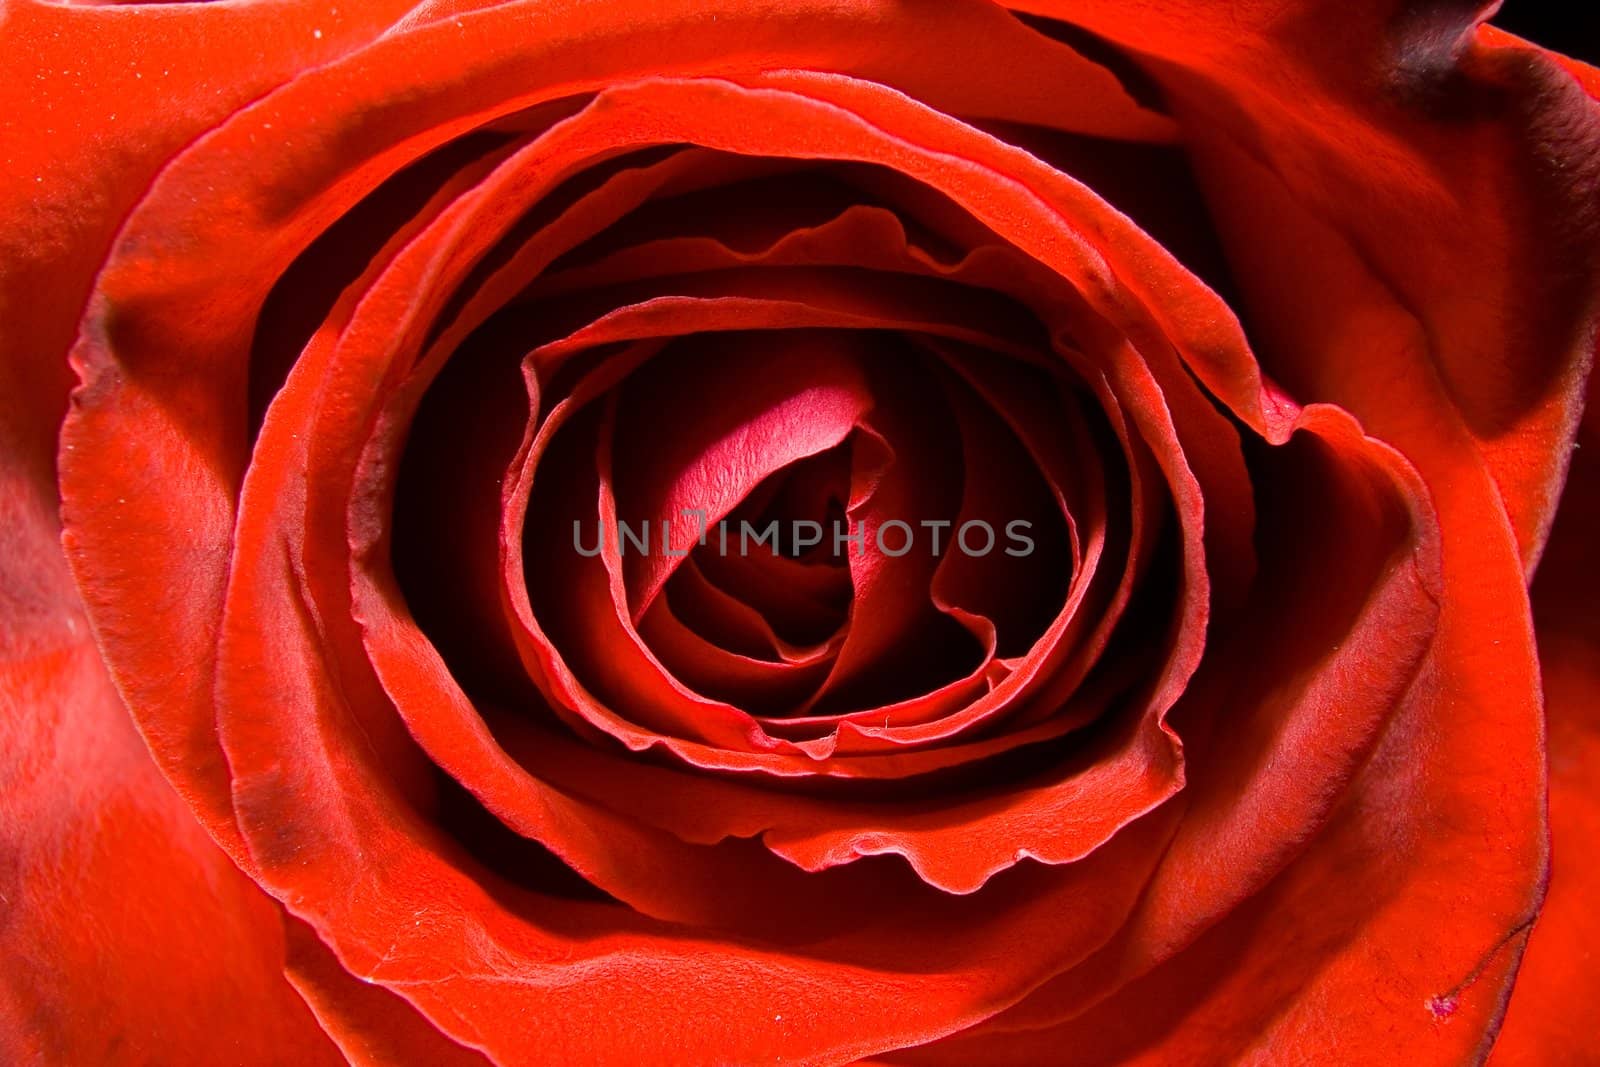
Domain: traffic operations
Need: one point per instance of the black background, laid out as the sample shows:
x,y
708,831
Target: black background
x,y
1568,26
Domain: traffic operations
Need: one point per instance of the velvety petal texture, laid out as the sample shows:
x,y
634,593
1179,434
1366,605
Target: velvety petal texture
x,y
125,929
788,532
1561,971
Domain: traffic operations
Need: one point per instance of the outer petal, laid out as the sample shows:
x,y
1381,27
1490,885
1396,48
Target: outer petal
x,y
1488,156
127,934
84,137
1327,954
371,1025
1389,129
1548,1021
84,134
1560,975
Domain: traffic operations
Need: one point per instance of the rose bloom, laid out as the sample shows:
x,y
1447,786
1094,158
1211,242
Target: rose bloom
x,y
324,328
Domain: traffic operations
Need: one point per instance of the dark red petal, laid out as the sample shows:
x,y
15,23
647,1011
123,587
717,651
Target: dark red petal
x,y
898,639
759,685
702,425
452,66
1012,588
731,623
1547,1021
800,604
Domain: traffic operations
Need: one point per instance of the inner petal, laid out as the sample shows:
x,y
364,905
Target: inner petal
x,y
696,434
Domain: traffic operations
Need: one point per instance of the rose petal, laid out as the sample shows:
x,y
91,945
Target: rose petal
x,y
321,164
371,1025
1475,152
1561,971
701,432
1373,877
127,931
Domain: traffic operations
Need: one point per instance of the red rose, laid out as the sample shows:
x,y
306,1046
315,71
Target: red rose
x,y
780,532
